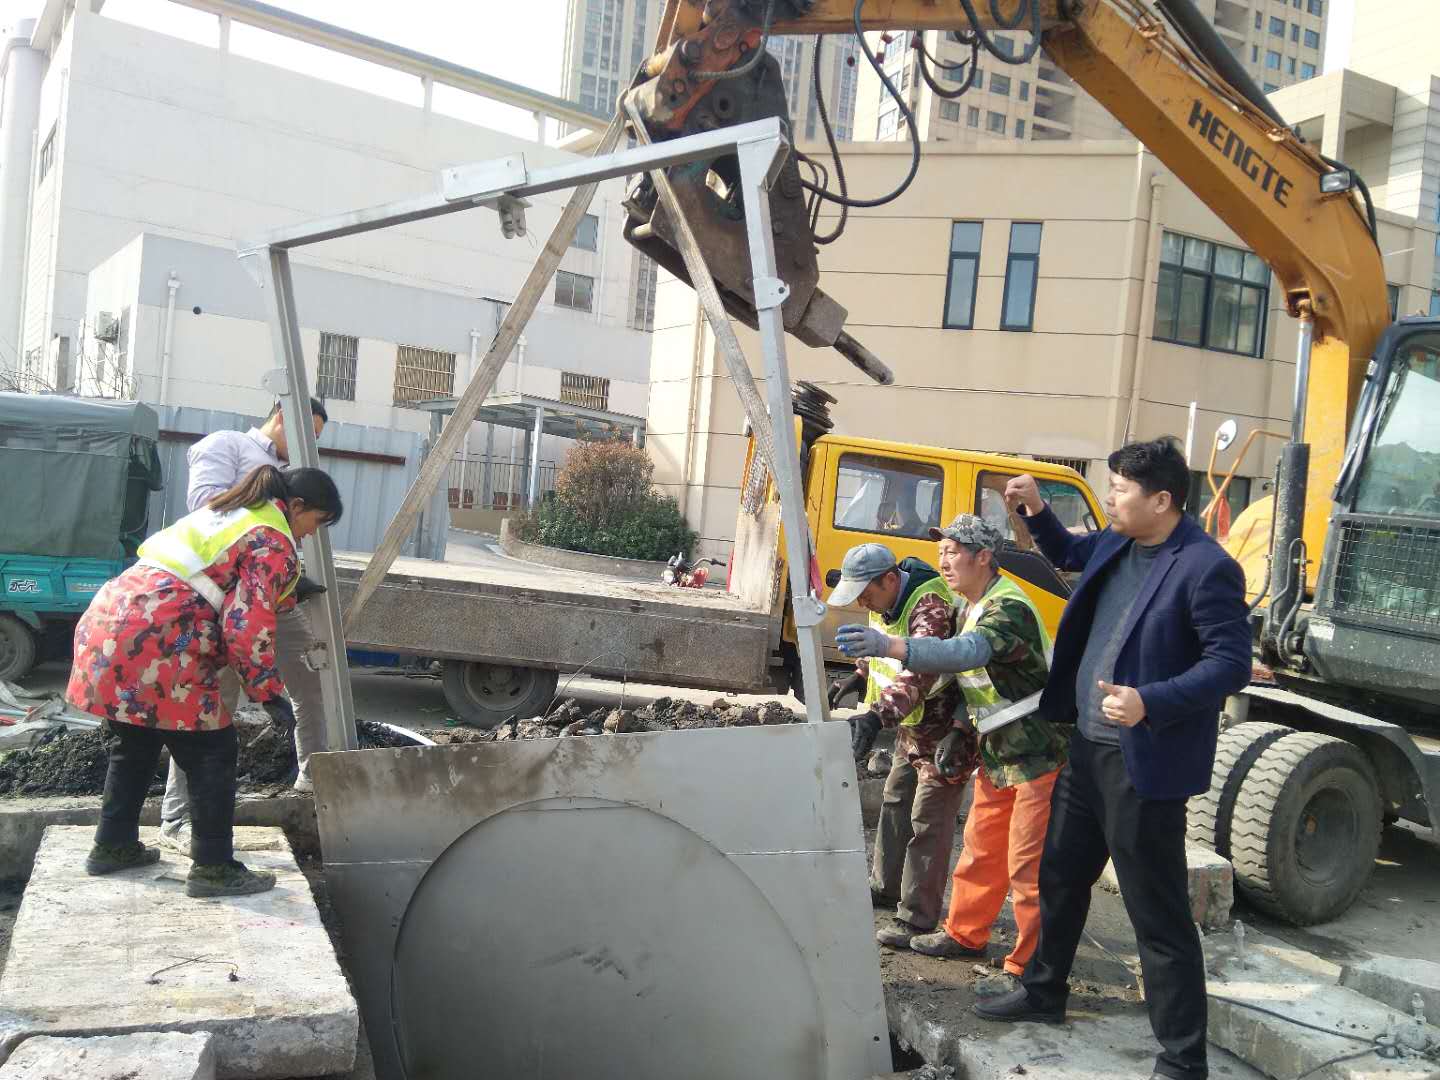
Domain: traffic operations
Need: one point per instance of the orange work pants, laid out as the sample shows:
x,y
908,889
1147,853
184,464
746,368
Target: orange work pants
x,y
1004,836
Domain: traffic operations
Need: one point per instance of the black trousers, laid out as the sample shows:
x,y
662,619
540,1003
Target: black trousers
x,y
1095,813
208,759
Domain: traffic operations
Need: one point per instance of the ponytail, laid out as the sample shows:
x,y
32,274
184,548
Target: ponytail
x,y
313,487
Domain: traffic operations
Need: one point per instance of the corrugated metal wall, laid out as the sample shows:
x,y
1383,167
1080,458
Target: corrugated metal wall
x,y
372,490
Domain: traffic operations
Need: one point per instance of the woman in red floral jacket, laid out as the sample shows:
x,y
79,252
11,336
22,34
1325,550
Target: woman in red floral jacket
x,y
150,648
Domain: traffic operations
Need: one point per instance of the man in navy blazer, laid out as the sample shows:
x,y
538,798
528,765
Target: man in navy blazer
x,y
1154,638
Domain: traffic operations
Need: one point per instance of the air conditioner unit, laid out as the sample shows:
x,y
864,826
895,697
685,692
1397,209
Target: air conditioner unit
x,y
107,327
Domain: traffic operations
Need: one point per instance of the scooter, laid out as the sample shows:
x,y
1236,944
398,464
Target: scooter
x,y
685,575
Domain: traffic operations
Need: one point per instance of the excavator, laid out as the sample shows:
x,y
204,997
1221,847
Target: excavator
x,y
1340,733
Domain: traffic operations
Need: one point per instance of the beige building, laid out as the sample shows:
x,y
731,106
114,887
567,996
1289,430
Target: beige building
x,y
1068,297
1279,43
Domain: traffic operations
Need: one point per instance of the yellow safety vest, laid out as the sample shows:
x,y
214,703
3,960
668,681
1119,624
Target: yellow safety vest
x,y
200,540
884,671
981,697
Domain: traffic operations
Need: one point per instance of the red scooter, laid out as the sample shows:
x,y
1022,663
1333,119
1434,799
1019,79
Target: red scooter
x,y
685,575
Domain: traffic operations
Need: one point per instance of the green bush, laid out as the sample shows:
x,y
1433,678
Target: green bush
x,y
605,503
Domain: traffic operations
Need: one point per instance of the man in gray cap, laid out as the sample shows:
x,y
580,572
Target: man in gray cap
x,y
920,804
1000,655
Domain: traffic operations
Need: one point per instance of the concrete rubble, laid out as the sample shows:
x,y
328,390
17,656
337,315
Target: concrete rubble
x,y
130,952
153,1055
1211,883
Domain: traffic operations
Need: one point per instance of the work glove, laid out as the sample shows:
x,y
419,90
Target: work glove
x,y
282,715
950,753
307,587
842,688
856,640
863,729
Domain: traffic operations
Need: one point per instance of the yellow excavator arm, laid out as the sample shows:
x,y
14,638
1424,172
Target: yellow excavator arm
x,y
1294,209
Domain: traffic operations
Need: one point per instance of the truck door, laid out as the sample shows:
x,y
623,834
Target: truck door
x,y
875,497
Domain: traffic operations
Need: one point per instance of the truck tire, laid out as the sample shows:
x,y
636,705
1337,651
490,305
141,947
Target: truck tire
x,y
1208,816
489,694
1306,828
17,648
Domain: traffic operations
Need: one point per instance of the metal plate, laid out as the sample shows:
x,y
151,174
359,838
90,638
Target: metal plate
x,y
682,903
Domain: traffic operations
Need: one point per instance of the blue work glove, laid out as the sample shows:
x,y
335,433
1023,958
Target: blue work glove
x,y
855,640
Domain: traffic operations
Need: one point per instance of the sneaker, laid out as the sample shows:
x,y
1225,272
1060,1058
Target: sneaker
x,y
897,934
110,858
995,985
304,785
227,879
175,836
1016,1007
942,945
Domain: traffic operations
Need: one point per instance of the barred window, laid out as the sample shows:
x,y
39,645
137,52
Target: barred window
x,y
335,372
587,391
587,233
573,290
642,317
423,374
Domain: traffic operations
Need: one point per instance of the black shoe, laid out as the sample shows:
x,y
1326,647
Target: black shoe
x,y
1014,1008
227,879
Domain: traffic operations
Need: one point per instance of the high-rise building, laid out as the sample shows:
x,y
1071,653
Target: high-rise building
x,y
1280,42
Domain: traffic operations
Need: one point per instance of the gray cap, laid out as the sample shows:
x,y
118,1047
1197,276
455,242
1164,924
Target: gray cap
x,y
971,531
863,564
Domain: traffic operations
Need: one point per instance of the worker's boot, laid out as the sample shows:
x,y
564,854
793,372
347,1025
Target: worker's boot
x,y
941,944
897,934
110,858
227,879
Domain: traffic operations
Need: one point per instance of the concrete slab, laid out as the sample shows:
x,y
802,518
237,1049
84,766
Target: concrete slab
x,y
131,952
1211,881
1395,981
154,1055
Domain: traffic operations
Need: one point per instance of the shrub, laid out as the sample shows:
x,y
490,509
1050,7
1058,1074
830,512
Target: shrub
x,y
605,503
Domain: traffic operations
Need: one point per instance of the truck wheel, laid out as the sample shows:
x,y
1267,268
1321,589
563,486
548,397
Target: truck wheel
x,y
1306,828
489,694
1207,818
17,648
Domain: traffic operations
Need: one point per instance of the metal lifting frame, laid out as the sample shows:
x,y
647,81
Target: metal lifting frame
x,y
503,185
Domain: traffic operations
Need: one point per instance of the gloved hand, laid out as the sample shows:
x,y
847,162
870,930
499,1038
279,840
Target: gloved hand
x,y
856,640
863,729
854,683
307,587
949,753
282,714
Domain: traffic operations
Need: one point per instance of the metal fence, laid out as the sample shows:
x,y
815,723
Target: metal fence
x,y
372,467
481,482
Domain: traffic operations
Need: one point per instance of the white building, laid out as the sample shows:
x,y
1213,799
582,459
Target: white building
x,y
151,158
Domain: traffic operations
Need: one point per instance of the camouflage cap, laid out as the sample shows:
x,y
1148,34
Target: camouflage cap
x,y
971,531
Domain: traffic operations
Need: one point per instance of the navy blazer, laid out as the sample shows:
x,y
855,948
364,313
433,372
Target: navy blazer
x,y
1186,648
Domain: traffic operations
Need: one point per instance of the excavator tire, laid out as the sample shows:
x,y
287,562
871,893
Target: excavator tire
x,y
1207,818
17,648
486,695
1306,828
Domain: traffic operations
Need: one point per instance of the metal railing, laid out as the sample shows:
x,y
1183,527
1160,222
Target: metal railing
x,y
480,482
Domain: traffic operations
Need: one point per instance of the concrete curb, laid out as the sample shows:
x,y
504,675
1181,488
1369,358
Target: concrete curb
x,y
1211,881
641,570
155,1055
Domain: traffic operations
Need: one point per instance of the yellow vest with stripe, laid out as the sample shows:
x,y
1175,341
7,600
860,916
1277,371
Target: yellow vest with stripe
x,y
883,670
200,540
981,697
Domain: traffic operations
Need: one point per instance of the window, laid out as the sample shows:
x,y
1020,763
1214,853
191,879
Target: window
x,y
1401,474
1019,129
1272,60
885,126
1254,54
1022,268
1277,26
1067,500
1004,44
587,391
47,156
335,371
573,290
586,233
423,374
642,317
950,110
1307,71
1294,31
1237,494
888,495
995,122
1259,20
1290,65
1312,39
1024,90
972,116
1211,296
964,269
1392,295
1435,302
1270,88
1316,7
1000,84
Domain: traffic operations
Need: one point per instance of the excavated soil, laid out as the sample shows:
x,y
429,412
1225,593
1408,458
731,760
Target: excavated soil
x,y
664,714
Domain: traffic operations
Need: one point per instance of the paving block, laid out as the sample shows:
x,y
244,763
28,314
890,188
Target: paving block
x,y
1395,982
1211,883
131,952
153,1055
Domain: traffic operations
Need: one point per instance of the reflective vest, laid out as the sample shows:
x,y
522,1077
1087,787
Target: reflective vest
x,y
981,697
884,671
200,540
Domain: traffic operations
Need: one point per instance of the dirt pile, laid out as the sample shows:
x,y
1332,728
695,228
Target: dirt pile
x,y
664,714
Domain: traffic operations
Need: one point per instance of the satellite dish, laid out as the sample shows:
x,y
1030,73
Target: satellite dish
x,y
1225,434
